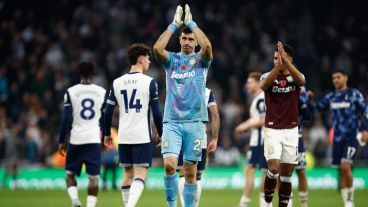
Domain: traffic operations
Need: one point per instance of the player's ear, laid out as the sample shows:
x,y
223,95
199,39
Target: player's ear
x,y
291,59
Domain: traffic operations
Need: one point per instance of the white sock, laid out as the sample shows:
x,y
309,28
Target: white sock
x,y
303,196
181,189
344,194
73,193
135,192
199,191
244,201
350,194
125,194
91,201
262,201
290,204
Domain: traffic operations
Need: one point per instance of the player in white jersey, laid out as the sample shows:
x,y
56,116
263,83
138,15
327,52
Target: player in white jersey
x,y
83,105
185,107
255,123
215,126
137,95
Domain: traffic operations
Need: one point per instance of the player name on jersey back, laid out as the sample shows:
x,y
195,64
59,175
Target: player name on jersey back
x,y
132,92
86,102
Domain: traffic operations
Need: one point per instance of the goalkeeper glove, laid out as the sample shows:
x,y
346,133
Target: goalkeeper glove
x,y
188,18
177,22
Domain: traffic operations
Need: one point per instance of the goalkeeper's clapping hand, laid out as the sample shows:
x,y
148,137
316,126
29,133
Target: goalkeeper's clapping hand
x,y
188,19
177,22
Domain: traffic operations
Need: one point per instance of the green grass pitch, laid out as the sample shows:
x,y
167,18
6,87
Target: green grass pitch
x,y
155,198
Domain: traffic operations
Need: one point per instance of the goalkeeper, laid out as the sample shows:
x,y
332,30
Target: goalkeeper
x,y
185,106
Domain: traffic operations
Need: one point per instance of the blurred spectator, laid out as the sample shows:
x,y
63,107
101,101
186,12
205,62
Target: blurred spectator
x,y
226,154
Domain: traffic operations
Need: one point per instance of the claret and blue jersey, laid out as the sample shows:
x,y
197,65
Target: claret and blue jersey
x,y
346,108
185,88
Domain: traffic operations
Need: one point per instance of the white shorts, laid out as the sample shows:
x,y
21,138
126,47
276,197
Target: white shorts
x,y
281,144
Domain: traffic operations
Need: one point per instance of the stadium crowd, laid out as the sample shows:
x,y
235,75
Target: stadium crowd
x,y
42,42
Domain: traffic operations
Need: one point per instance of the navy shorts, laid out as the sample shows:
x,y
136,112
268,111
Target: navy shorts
x,y
201,166
344,150
89,154
135,155
256,158
301,154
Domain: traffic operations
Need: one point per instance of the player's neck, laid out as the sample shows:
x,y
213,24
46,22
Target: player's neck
x,y
86,81
342,88
136,69
184,53
258,91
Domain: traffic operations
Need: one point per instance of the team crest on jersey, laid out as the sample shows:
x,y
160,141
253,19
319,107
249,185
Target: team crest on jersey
x,y
192,62
282,83
289,78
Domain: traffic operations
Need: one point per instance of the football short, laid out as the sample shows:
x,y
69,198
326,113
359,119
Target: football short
x,y
301,154
255,157
89,154
201,166
281,144
187,136
344,150
135,155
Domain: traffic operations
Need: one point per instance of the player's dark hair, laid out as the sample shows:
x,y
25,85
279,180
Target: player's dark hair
x,y
86,69
339,70
255,75
185,30
136,50
288,49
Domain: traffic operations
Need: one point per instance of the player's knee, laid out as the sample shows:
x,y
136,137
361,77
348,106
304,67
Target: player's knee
x,y
190,175
170,168
93,180
274,170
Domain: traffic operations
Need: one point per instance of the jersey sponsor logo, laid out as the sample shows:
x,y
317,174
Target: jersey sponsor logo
x,y
277,89
341,105
182,75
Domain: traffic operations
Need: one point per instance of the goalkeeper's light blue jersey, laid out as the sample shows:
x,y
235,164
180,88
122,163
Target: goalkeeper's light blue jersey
x,y
346,108
185,88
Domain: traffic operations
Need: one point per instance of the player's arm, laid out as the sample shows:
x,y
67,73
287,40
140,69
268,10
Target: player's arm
x,y
101,121
65,123
155,106
107,117
203,41
268,78
363,108
298,77
161,54
215,123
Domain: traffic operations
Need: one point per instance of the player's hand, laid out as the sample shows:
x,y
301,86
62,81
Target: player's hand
x,y
241,128
108,142
158,140
177,22
282,53
212,146
62,149
188,19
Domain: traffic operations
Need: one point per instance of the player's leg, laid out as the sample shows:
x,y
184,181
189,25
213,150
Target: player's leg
x,y
92,161
200,169
170,149
272,152
126,161
142,160
263,166
180,170
73,166
250,170
289,158
346,168
302,178
337,153
192,153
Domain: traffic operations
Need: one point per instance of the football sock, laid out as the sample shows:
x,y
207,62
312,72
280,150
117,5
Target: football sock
x,y
284,191
135,192
199,192
91,201
270,185
244,201
73,192
125,194
190,192
181,189
171,189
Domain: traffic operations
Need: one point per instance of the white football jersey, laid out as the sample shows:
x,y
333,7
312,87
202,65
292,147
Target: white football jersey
x,y
86,102
257,111
210,101
132,93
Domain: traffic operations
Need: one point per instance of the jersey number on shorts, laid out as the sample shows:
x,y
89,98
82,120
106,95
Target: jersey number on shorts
x,y
133,103
87,112
350,153
197,145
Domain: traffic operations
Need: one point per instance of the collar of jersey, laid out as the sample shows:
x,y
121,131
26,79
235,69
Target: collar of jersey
x,y
133,72
189,55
